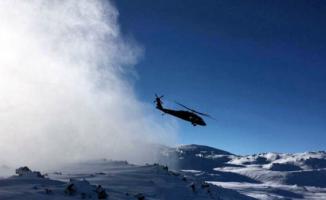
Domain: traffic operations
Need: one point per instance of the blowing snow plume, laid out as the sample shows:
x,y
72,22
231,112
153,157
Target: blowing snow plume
x,y
63,95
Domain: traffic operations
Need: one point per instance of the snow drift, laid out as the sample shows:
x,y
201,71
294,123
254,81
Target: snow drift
x,y
64,93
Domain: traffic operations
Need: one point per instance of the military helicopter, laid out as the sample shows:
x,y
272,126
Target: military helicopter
x,y
191,115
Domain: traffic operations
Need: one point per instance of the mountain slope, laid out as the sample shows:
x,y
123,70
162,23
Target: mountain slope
x,y
120,180
263,176
183,173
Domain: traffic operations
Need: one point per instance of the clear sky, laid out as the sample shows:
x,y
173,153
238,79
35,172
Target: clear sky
x,y
259,67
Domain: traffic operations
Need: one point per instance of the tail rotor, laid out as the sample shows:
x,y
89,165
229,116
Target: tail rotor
x,y
158,101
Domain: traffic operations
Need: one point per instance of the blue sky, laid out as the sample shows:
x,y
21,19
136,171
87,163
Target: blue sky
x,y
259,67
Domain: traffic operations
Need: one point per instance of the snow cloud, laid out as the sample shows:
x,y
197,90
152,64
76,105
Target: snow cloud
x,y
63,89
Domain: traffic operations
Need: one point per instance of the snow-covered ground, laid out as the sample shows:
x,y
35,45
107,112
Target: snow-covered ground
x,y
262,176
193,172
119,180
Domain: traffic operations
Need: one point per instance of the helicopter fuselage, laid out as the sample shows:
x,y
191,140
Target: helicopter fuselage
x,y
185,115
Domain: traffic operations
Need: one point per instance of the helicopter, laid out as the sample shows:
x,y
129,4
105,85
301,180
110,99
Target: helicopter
x,y
187,115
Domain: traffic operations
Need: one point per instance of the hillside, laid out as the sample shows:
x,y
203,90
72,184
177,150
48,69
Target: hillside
x,y
186,172
263,176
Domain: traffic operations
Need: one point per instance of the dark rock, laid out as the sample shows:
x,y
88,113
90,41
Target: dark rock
x,y
70,189
26,172
140,196
48,191
101,193
193,187
204,185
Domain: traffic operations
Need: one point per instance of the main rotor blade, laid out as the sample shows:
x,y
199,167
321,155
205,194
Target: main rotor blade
x,y
192,110
158,96
188,108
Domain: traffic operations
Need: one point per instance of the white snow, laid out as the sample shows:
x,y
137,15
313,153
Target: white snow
x,y
119,179
262,176
266,176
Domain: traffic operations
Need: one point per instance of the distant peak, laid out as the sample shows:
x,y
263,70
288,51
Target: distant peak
x,y
202,148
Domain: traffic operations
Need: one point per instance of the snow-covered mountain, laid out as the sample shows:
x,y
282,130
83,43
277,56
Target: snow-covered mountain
x,y
106,179
263,176
185,172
